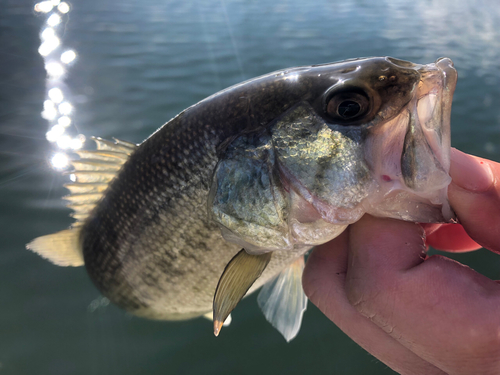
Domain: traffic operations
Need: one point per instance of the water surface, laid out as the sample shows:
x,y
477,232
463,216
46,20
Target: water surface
x,y
139,64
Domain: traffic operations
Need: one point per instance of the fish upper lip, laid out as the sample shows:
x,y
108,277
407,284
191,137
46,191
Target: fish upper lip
x,y
444,60
442,70
445,65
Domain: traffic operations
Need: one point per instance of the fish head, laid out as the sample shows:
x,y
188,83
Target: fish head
x,y
408,152
407,142
377,140
366,136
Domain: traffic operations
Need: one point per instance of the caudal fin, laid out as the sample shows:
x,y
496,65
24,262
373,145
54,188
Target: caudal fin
x,y
62,248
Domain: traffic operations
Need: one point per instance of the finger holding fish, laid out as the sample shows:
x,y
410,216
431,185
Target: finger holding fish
x,y
450,237
473,188
324,282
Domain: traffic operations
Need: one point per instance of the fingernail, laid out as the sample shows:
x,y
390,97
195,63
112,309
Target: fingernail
x,y
470,172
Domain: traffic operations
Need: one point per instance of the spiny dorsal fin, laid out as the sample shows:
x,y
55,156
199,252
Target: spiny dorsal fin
x,y
78,188
93,172
95,165
91,176
121,142
117,145
84,198
111,156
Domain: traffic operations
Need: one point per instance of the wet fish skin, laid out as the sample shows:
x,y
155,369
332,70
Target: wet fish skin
x,y
149,245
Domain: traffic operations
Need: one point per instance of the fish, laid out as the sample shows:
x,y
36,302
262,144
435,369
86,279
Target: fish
x,y
230,195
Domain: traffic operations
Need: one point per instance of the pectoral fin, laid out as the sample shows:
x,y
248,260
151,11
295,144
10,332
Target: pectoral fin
x,y
239,275
283,301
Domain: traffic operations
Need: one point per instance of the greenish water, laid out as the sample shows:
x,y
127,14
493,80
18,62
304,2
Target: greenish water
x,y
140,63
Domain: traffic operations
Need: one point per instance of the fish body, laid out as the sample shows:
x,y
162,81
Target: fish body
x,y
276,164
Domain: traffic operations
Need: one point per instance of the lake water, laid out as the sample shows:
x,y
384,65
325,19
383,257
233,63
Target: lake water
x,y
138,64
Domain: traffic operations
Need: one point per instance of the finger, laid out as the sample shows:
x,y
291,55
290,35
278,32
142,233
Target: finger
x,y
475,196
442,311
323,281
451,237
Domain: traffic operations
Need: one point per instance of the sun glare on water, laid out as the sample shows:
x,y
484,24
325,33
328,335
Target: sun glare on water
x,y
60,161
57,108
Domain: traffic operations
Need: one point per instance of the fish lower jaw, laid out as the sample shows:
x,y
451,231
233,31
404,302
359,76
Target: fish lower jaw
x,y
407,205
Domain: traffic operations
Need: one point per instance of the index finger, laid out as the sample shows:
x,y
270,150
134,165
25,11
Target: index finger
x,y
451,237
474,195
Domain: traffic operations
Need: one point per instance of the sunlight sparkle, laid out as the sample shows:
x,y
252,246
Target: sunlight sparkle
x,y
64,141
68,56
65,108
59,161
64,121
54,20
54,69
63,8
49,45
43,7
48,33
49,113
56,95
76,143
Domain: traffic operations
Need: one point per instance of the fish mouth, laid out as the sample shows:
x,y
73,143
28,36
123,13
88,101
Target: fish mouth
x,y
413,178
425,161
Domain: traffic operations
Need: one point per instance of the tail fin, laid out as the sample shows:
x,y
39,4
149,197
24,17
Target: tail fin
x,y
92,174
61,248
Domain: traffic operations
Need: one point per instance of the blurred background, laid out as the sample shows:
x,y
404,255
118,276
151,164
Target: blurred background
x,y
122,68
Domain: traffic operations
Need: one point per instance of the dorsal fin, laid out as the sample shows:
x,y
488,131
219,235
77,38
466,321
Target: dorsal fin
x,y
92,173
117,146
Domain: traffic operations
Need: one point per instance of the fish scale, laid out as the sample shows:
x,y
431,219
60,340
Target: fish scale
x,y
273,165
116,231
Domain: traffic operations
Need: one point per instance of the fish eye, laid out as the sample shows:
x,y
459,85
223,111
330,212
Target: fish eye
x,y
347,106
348,109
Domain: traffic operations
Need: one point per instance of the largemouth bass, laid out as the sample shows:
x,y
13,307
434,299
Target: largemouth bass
x,y
230,194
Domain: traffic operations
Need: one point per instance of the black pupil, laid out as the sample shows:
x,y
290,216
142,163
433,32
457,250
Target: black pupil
x,y
348,109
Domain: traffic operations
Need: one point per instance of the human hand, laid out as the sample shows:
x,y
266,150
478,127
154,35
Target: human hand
x,y
418,314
